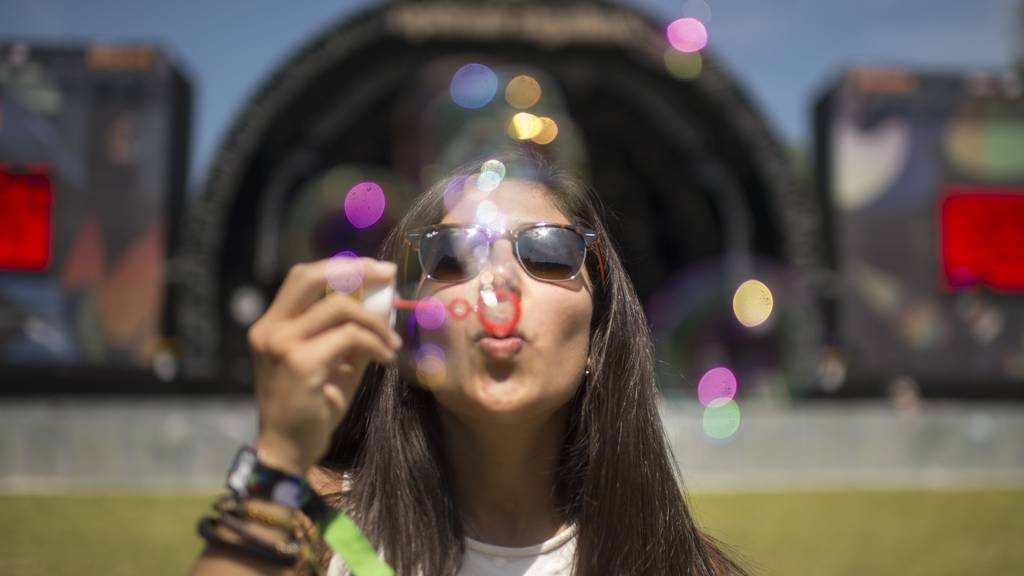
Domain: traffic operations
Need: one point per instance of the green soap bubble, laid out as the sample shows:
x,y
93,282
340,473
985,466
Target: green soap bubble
x,y
494,166
721,419
683,65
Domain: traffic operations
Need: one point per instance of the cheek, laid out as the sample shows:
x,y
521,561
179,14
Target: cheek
x,y
565,327
575,325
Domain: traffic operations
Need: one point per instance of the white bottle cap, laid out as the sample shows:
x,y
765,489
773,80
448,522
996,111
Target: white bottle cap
x,y
380,300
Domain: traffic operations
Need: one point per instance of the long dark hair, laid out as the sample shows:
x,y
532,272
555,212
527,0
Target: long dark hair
x,y
616,480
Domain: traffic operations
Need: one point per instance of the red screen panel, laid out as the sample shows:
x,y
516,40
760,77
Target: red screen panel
x,y
982,238
25,201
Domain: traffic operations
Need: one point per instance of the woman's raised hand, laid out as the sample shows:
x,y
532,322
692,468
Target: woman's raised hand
x,y
309,355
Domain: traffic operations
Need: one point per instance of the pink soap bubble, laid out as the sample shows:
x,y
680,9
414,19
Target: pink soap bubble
x,y
345,272
430,313
687,35
718,385
364,204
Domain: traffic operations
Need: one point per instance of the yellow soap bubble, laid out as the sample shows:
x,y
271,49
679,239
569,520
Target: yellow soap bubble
x,y
522,91
525,126
431,372
548,131
752,303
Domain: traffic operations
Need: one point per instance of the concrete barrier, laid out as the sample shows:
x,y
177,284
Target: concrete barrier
x,y
184,444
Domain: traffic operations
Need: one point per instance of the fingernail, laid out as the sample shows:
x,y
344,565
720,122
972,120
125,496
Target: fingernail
x,y
385,267
396,340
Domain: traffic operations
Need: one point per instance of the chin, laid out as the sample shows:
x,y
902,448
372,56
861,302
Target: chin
x,y
502,397
492,400
490,394
510,400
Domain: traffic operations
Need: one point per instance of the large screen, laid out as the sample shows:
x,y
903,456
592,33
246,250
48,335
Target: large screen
x,y
90,172
923,177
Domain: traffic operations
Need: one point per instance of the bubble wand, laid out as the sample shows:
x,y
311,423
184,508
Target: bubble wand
x,y
347,277
460,308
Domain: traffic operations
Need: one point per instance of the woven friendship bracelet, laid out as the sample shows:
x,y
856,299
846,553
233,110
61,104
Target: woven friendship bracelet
x,y
260,511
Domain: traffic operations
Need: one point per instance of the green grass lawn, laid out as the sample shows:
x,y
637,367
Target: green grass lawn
x,y
857,533
905,533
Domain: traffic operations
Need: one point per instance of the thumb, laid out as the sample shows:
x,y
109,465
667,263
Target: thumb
x,y
337,404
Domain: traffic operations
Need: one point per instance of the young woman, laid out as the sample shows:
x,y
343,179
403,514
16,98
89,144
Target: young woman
x,y
531,450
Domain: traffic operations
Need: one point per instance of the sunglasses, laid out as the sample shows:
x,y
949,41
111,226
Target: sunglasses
x,y
547,252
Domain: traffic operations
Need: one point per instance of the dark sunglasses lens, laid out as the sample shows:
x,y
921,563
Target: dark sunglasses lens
x,y
551,253
447,255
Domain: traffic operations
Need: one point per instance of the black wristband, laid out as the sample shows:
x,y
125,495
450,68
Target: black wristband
x,y
250,478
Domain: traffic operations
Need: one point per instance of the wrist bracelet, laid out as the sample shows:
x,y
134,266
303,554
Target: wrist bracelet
x,y
247,546
290,547
264,512
250,478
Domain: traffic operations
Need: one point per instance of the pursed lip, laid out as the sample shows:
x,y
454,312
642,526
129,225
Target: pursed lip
x,y
501,347
514,334
506,347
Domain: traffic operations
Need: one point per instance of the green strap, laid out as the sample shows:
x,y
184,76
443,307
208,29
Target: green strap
x,y
348,541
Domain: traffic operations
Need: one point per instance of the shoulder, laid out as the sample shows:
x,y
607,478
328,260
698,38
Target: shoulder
x,y
329,484
324,481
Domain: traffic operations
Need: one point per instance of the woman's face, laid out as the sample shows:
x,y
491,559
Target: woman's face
x,y
487,378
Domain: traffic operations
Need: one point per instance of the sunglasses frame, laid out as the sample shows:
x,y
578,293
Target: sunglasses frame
x,y
590,242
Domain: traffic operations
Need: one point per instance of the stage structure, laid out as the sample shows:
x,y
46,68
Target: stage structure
x,y
922,180
93,151
700,191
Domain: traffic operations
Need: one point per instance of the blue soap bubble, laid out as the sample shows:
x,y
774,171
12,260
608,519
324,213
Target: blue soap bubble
x,y
474,85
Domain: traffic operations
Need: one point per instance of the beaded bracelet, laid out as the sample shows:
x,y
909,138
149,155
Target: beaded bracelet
x,y
261,511
247,544
277,516
242,527
261,494
315,530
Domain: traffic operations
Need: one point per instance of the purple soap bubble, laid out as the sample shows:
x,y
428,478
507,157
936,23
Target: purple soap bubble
x,y
430,351
430,313
364,204
455,191
717,383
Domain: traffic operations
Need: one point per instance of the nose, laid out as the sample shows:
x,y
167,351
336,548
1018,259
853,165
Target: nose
x,y
502,269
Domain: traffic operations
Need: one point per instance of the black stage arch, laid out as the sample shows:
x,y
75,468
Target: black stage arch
x,y
690,170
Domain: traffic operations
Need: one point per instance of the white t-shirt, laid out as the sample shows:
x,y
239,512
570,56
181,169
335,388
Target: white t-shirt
x,y
553,557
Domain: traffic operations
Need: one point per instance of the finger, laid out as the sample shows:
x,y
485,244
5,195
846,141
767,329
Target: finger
x,y
303,285
350,342
335,310
308,282
377,272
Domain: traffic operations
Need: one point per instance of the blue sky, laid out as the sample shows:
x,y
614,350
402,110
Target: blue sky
x,y
782,51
